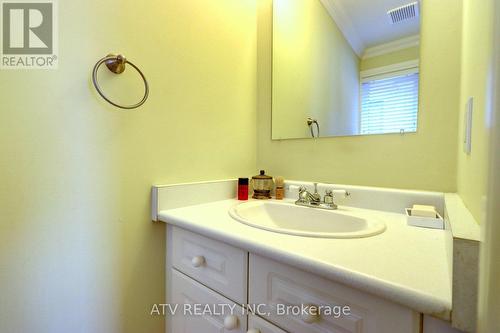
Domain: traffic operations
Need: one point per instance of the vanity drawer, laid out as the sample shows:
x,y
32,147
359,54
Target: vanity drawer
x,y
273,283
215,264
259,325
216,319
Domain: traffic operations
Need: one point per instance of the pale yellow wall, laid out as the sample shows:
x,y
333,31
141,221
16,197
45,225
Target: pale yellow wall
x,y
78,252
411,53
489,288
425,160
315,72
477,74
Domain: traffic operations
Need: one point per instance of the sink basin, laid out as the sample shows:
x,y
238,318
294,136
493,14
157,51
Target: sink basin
x,y
288,218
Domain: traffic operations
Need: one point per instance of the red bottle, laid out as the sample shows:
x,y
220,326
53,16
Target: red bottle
x,y
242,188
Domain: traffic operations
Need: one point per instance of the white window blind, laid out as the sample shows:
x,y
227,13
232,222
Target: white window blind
x,y
389,102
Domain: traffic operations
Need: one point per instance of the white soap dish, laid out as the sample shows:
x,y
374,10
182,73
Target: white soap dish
x,y
436,222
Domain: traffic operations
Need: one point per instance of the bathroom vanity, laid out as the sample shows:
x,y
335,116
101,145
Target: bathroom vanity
x,y
204,270
398,280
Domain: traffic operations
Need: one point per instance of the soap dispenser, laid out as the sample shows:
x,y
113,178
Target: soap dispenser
x,y
262,185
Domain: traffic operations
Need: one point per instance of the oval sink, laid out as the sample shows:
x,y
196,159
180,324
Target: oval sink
x,y
287,218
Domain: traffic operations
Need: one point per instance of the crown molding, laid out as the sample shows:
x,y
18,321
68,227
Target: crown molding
x,y
401,66
399,44
344,23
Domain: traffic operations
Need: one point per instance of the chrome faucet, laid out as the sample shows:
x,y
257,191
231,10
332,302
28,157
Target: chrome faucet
x,y
309,199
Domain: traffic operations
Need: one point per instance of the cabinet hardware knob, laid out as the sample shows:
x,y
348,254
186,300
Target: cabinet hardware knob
x,y
197,261
312,314
231,322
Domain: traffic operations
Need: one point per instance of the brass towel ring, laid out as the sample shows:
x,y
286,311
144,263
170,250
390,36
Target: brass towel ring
x,y
116,64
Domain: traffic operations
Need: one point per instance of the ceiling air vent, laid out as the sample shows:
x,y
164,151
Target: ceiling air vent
x,y
404,13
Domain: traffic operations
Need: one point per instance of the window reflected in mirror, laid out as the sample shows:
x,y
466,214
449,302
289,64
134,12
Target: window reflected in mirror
x,y
343,67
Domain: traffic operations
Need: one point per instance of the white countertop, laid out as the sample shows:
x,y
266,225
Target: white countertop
x,y
406,265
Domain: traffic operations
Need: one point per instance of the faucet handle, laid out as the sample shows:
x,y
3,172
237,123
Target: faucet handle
x,y
328,198
302,194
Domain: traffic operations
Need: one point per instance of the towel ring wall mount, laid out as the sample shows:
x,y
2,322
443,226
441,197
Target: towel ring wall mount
x,y
117,65
310,122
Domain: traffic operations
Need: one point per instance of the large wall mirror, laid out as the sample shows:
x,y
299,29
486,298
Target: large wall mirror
x,y
344,67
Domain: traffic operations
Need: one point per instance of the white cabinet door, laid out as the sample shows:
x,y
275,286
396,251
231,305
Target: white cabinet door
x,y
215,313
259,325
215,264
286,289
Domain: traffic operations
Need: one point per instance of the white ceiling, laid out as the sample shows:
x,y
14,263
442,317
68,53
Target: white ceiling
x,y
366,23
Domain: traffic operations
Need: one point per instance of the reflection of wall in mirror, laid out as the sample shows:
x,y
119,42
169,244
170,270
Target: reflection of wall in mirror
x,y
315,72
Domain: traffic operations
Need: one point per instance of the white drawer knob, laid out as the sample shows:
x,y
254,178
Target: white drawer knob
x,y
197,261
312,314
230,322
253,330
